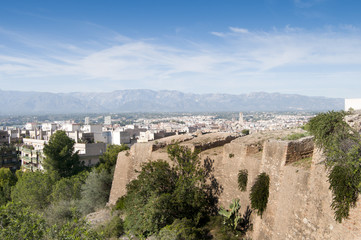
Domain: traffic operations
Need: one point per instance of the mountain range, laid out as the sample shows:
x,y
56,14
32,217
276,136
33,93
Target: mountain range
x,y
143,100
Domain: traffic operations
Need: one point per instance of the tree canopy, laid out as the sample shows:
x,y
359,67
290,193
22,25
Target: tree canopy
x,y
7,180
108,160
161,193
33,189
60,156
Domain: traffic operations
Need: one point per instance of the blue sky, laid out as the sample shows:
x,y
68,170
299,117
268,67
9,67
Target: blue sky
x,y
308,47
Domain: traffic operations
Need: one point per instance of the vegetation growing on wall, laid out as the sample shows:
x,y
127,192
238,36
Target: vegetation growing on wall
x,y
296,136
259,193
342,149
162,194
245,131
232,216
242,179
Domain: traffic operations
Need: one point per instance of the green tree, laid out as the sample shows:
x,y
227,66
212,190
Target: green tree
x,y
95,191
108,160
162,194
150,195
18,222
33,189
7,180
60,156
67,189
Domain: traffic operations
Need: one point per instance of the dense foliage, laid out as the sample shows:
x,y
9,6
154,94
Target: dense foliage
x,y
20,222
109,158
33,189
60,156
242,179
342,149
95,191
259,193
181,229
7,180
53,204
161,193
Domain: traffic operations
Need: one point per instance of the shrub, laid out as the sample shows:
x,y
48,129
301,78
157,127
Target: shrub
x,y
73,230
61,212
245,131
296,136
18,222
342,150
344,183
67,189
328,128
95,191
231,155
33,189
259,193
242,179
108,160
181,229
113,228
120,204
7,181
220,231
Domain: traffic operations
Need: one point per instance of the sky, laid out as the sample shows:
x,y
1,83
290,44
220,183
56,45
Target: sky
x,y
307,47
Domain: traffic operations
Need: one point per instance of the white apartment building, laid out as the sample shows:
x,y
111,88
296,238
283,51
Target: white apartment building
x,y
32,153
49,126
97,130
120,137
354,103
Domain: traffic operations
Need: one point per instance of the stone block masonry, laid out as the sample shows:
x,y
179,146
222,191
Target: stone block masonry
x,y
299,200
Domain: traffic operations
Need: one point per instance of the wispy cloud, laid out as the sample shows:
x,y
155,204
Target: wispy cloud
x,y
240,60
238,30
307,3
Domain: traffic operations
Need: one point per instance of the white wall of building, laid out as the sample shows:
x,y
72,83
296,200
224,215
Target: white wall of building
x,y
48,126
108,120
119,137
354,103
30,126
70,127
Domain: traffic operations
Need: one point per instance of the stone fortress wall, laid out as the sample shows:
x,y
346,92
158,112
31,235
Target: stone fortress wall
x,y
299,200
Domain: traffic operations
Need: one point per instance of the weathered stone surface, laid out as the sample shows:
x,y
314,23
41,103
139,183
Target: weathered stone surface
x,y
299,201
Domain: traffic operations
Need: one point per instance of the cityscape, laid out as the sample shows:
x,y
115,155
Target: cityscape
x,y
180,120
92,137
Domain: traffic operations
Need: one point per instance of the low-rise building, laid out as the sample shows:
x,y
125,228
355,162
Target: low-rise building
x,y
32,155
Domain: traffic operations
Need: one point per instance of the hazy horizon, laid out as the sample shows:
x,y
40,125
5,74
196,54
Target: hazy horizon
x,y
185,92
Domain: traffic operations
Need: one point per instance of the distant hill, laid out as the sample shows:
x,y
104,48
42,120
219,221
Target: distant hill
x,y
142,100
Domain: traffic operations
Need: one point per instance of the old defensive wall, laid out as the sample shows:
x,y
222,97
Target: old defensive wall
x,y
299,200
